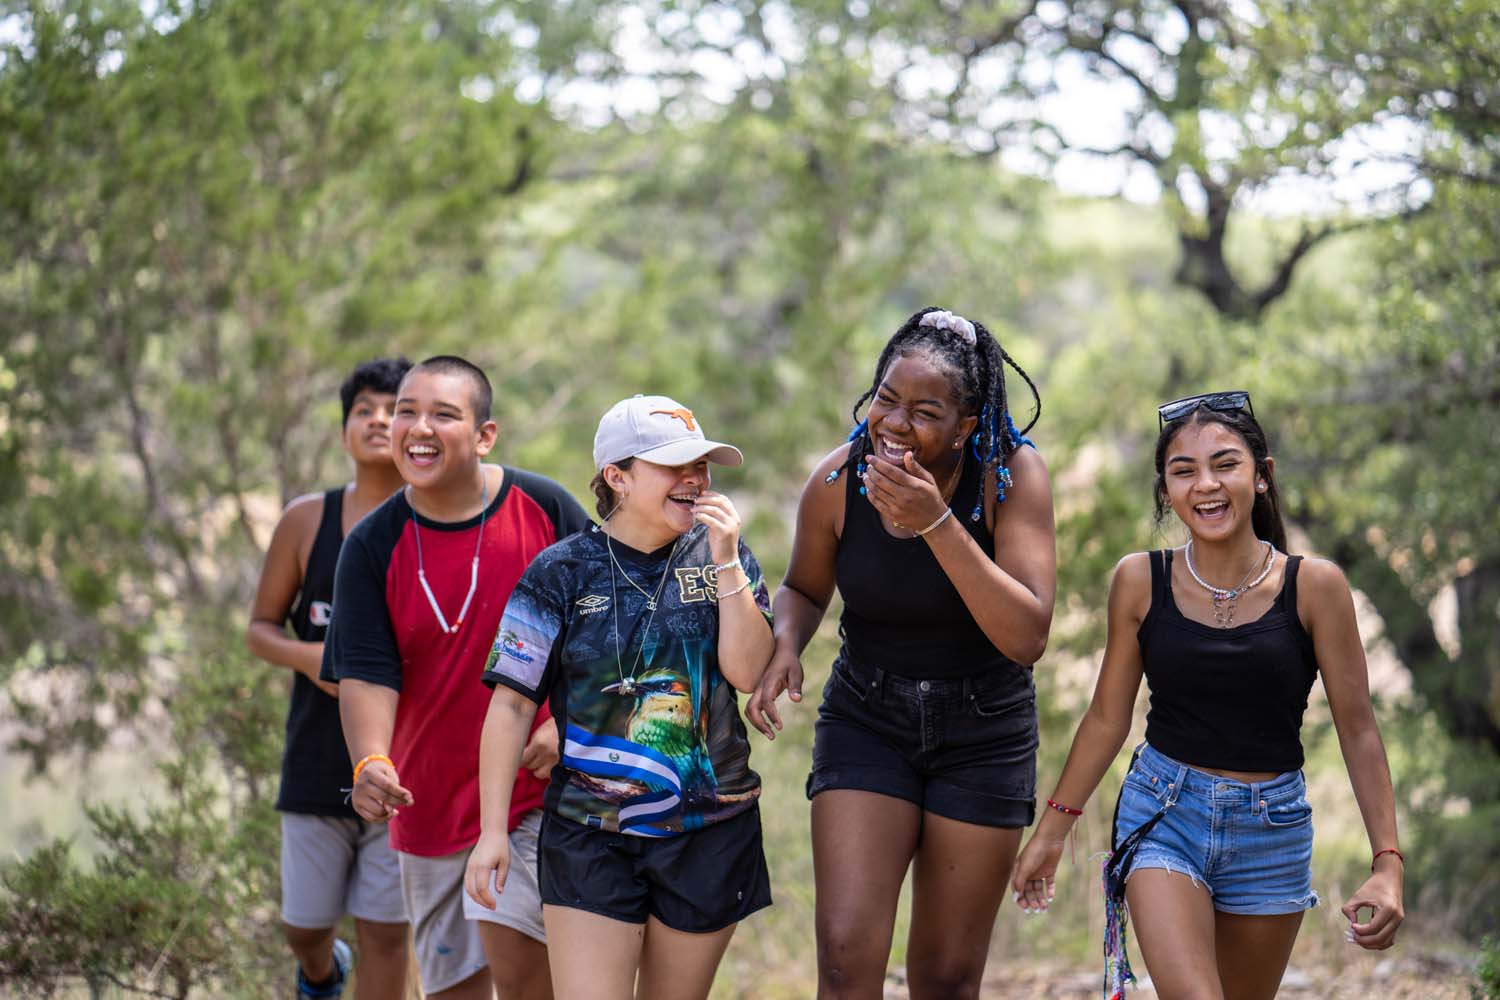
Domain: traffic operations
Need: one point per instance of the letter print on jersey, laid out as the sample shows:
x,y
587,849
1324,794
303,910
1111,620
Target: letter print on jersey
x,y
653,743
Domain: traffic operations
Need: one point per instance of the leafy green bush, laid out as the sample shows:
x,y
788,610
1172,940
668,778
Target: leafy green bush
x,y
1488,974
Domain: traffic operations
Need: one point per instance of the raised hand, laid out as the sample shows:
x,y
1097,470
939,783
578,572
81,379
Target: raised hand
x,y
906,493
717,511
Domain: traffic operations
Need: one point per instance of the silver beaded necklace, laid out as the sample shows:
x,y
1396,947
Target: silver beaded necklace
x,y
1224,601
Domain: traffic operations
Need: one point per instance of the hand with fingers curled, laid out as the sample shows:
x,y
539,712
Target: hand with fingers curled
x,y
487,868
1382,895
378,795
906,493
783,673
1034,880
540,753
717,511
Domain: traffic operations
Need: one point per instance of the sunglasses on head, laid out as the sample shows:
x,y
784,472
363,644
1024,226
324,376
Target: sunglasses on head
x,y
1224,402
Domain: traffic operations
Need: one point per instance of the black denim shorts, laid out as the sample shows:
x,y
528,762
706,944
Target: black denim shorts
x,y
696,882
963,748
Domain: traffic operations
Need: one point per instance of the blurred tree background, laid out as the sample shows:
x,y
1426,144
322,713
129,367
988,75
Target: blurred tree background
x,y
209,211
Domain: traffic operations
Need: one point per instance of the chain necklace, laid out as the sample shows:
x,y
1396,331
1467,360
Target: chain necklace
x,y
615,565
1224,601
627,686
484,503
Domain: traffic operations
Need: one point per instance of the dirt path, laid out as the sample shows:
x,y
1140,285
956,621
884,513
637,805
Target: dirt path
x,y
1411,977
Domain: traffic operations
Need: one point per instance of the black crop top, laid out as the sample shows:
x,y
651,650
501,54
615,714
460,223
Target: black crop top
x,y
901,612
1229,698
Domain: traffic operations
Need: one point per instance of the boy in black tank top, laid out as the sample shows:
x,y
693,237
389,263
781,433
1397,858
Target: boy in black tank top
x,y
1213,832
332,862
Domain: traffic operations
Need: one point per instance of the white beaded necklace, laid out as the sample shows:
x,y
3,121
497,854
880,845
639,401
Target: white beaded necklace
x,y
484,503
1224,601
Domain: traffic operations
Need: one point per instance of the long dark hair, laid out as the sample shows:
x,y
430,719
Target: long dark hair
x,y
1265,515
979,386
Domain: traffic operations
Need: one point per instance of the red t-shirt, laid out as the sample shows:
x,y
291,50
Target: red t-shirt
x,y
385,631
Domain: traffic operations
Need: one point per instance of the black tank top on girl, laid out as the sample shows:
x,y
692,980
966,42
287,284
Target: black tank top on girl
x,y
901,612
1229,698
315,766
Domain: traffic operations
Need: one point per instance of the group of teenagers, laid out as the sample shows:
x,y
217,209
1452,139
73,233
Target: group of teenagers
x,y
515,736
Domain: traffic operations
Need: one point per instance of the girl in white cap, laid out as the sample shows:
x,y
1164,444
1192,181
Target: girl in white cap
x,y
639,631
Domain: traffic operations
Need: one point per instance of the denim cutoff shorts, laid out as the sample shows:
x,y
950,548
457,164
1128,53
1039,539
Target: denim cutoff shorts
x,y
964,748
1248,843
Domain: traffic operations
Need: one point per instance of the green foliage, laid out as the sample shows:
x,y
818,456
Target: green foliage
x,y
176,898
1488,973
209,211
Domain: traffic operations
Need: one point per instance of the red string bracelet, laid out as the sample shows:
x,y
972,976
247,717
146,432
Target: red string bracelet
x,y
1388,850
1070,811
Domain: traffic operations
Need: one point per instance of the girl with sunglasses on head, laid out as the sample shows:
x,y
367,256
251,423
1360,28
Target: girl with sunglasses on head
x,y
935,524
637,632
1212,833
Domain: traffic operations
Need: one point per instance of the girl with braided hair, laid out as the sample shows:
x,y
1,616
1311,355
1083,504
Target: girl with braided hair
x,y
935,524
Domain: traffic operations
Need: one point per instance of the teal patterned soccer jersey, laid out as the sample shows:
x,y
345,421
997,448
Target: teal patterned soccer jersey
x,y
651,735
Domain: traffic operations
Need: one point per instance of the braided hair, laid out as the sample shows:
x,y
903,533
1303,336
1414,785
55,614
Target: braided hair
x,y
978,379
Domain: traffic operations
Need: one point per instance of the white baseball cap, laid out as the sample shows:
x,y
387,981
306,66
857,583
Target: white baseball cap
x,y
657,429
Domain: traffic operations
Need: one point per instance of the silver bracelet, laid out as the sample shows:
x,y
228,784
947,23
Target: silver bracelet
x,y
945,515
730,593
731,564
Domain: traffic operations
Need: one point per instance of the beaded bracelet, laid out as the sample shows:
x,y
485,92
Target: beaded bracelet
x,y
1388,850
366,759
725,567
1065,810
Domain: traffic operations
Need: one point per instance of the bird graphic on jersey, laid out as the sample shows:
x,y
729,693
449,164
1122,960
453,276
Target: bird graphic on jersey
x,y
666,718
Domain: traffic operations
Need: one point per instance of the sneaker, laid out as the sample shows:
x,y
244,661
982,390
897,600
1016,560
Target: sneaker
x,y
343,957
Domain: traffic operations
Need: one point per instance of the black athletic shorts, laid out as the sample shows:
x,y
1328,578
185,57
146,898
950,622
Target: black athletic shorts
x,y
963,748
697,882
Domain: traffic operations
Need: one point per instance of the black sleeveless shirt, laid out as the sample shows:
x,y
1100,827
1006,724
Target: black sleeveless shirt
x,y
315,766
1229,698
901,612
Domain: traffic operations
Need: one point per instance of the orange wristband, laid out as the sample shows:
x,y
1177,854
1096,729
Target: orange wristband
x,y
366,759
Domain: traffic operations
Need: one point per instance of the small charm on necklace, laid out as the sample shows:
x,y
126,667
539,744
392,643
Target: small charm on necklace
x,y
625,688
976,514
650,604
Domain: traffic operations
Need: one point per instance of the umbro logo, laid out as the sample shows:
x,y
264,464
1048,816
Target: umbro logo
x,y
591,604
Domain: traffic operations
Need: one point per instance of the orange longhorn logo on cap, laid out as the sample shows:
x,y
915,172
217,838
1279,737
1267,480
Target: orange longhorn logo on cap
x,y
685,415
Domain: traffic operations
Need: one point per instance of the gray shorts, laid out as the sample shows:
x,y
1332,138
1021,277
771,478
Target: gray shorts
x,y
333,865
443,916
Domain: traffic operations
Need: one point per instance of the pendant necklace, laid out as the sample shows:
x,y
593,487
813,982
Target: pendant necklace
x,y
627,686
484,503
1224,601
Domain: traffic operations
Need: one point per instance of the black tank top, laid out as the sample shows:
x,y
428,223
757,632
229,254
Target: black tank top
x,y
315,766
901,612
1229,698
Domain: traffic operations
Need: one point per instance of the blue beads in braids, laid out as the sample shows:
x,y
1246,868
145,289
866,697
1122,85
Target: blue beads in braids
x,y
989,452
854,435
